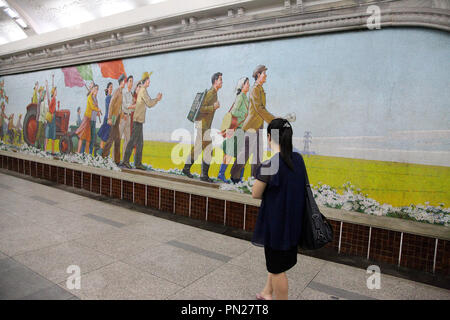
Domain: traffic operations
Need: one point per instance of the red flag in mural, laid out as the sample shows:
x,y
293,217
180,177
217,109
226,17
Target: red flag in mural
x,y
112,69
72,77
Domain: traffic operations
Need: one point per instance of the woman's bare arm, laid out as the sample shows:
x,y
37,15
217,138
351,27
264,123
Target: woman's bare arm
x,y
258,189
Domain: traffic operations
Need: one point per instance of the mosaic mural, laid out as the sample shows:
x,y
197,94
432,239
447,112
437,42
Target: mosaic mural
x,y
369,112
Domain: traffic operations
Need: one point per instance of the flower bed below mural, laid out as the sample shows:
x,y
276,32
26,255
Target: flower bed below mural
x,y
354,200
351,200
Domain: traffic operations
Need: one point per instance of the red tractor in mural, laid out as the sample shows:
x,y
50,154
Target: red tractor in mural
x,y
30,127
68,140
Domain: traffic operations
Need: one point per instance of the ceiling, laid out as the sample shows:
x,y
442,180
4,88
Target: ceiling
x,y
42,16
57,22
9,30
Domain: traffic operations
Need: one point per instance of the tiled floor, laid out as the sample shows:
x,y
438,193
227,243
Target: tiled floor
x,y
124,254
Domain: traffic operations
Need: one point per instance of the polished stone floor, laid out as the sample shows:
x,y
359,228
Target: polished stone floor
x,y
125,254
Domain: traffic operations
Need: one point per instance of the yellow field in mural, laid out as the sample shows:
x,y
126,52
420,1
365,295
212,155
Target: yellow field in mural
x,y
398,184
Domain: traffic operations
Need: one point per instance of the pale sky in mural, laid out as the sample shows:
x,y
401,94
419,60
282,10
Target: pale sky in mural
x,y
376,89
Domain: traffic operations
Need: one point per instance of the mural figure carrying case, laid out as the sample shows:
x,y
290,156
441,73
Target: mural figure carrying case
x,y
195,108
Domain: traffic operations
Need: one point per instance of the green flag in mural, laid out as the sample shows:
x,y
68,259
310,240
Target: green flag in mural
x,y
85,71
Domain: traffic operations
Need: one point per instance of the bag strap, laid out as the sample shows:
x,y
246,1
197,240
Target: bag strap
x,y
244,117
306,172
307,184
231,107
242,120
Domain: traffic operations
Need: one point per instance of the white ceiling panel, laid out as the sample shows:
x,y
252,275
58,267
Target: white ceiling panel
x,y
44,16
9,30
56,21
51,15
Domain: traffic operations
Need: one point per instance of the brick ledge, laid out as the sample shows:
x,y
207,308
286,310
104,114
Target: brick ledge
x,y
387,223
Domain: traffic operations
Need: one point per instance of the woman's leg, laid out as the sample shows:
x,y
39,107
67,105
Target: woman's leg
x,y
280,286
266,293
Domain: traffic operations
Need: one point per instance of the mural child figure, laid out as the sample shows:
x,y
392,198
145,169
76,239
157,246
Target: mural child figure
x,y
137,139
79,117
127,107
84,131
253,124
105,128
19,127
11,128
203,124
2,118
115,108
234,142
50,129
42,111
94,116
35,97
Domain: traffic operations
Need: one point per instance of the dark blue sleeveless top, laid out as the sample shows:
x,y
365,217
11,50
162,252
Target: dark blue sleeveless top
x,y
279,221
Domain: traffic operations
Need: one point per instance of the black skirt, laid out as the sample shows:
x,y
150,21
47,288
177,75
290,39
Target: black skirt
x,y
278,261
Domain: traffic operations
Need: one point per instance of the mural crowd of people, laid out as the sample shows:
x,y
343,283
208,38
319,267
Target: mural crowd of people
x,y
9,132
243,136
124,118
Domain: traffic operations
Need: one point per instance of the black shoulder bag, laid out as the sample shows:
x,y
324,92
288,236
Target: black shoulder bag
x,y
316,230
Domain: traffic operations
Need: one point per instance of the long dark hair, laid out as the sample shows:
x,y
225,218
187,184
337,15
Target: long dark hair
x,y
285,139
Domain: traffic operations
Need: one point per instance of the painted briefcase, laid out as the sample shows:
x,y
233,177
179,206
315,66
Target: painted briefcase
x,y
195,108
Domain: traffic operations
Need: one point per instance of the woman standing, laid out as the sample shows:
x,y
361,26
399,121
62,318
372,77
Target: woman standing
x,y
280,183
104,130
84,131
240,111
50,129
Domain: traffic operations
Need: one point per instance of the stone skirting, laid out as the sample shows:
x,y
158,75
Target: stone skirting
x,y
394,241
